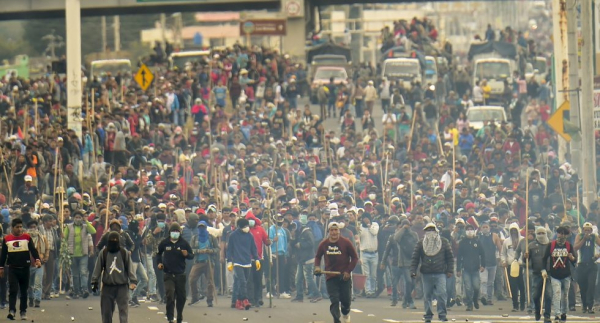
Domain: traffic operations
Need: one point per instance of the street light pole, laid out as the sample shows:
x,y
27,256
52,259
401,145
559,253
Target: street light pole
x,y
74,89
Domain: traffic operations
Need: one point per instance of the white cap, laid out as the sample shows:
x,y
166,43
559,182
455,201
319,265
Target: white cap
x,y
28,178
162,206
430,225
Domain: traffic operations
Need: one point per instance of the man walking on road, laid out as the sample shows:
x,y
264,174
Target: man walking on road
x,y
17,251
434,254
205,246
172,253
560,252
469,263
536,253
340,260
114,266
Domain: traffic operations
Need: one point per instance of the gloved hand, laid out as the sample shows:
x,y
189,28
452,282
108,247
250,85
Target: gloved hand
x,y
94,287
317,271
230,266
544,274
257,264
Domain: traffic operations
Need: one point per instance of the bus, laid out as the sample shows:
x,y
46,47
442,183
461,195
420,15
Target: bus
x,y
405,70
180,59
113,66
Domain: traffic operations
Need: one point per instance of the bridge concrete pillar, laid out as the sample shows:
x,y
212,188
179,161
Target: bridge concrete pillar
x,y
294,41
74,86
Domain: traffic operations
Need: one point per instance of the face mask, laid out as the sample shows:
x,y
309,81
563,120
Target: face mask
x,y
303,219
485,231
470,233
246,229
175,235
252,223
113,246
279,224
561,240
372,197
430,234
461,228
77,222
161,225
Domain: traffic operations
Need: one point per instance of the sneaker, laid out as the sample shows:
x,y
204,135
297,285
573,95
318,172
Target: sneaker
x,y
285,295
246,304
36,303
557,319
86,294
469,309
591,311
316,299
209,303
484,301
346,318
297,300
490,303
476,304
538,316
394,303
233,305
2,306
413,307
23,316
238,305
563,317
584,310
133,304
269,295
11,315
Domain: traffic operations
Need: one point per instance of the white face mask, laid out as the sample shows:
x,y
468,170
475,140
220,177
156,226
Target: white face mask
x,y
246,229
470,233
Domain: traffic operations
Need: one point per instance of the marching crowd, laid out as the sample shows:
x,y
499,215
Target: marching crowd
x,y
217,181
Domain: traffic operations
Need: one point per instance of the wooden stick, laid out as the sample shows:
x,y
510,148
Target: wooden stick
x,y
8,183
507,282
411,188
543,296
527,237
578,214
108,200
453,176
412,128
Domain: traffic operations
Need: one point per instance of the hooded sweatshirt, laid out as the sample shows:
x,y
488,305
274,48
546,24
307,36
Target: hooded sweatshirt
x,y
115,272
258,232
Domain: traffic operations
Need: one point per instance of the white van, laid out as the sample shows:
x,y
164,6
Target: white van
x,y
405,70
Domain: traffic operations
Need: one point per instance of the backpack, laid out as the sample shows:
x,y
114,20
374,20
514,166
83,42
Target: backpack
x,y
123,254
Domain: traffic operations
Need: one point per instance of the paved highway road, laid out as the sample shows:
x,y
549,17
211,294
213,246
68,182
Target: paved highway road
x,y
283,311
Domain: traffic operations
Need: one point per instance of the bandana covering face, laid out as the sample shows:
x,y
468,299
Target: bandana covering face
x,y
432,243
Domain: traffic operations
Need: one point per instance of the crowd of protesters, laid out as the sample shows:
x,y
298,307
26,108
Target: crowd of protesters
x,y
181,174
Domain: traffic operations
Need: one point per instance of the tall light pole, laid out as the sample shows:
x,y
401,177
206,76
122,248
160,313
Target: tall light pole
x,y
74,95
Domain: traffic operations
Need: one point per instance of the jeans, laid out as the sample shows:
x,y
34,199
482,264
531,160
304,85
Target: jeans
x,y
488,276
538,285
79,271
175,295
517,288
160,278
142,278
323,287
359,106
35,282
471,281
255,284
369,268
151,276
18,281
402,273
434,287
240,280
586,278
560,291
340,293
305,272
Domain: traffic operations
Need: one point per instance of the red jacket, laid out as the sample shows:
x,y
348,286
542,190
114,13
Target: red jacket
x,y
261,237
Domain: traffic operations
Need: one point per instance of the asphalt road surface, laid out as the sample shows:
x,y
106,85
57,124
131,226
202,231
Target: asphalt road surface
x,y
283,311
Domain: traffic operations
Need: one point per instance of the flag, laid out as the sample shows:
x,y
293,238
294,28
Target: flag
x,y
20,133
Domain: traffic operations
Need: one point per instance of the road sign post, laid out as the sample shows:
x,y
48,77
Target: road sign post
x,y
144,77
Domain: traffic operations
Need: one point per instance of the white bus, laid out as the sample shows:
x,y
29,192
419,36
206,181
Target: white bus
x,y
180,59
113,66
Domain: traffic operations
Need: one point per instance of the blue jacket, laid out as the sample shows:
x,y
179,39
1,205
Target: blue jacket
x,y
281,247
241,249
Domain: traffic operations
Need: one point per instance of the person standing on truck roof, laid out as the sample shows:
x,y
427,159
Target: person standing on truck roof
x,y
477,94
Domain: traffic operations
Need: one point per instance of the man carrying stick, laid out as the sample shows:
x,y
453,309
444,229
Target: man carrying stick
x,y
537,249
340,260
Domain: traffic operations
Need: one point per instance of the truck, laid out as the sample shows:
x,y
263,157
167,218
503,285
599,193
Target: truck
x,y
20,67
405,70
328,55
495,62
